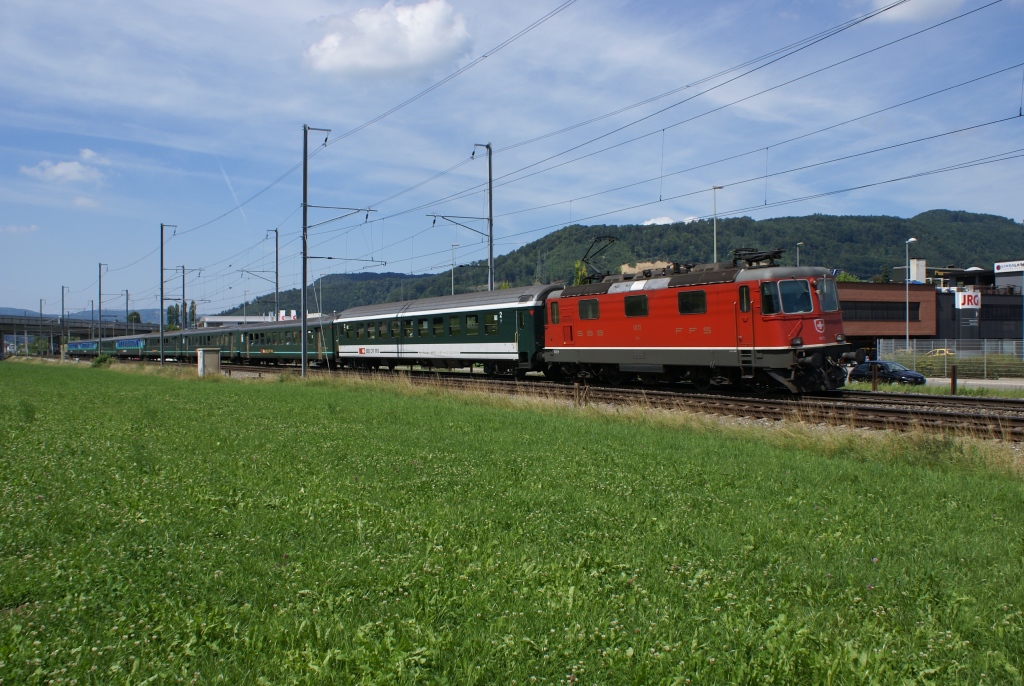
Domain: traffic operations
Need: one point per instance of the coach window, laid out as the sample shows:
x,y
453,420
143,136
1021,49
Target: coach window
x,y
796,296
827,295
744,298
383,329
407,328
472,325
439,326
371,330
454,326
490,324
396,328
692,302
424,328
554,313
588,309
346,327
636,305
770,298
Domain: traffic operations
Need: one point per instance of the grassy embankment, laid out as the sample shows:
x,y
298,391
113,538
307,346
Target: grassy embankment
x,y
158,528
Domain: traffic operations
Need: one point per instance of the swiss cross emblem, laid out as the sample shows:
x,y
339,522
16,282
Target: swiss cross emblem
x,y
819,325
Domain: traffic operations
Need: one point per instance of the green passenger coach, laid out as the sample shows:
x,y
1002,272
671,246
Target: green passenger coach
x,y
501,330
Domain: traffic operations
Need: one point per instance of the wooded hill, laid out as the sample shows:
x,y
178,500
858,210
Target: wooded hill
x,y
863,246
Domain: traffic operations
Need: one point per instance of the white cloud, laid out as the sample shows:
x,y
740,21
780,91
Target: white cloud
x,y
659,220
20,229
917,10
84,202
63,171
92,156
421,37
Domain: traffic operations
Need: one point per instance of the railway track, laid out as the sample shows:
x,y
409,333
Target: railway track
x,y
1000,418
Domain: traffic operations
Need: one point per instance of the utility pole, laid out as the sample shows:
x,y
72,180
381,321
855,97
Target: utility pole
x,y
92,316
183,312
714,200
490,216
277,275
40,340
63,319
126,313
161,317
305,234
99,303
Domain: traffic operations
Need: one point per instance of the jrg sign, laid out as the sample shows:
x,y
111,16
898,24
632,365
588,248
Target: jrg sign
x,y
968,300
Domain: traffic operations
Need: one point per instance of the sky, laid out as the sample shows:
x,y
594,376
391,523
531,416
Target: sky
x,y
116,117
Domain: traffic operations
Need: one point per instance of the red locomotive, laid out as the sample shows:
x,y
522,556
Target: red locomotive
x,y
748,322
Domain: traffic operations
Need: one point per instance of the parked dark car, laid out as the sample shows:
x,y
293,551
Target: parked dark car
x,y
888,372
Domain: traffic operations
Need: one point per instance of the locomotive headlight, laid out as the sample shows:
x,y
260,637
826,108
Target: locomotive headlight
x,y
797,342
840,338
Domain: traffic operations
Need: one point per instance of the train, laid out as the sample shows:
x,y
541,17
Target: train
x,y
747,323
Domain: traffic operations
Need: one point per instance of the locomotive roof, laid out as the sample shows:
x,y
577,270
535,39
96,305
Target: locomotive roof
x,y
528,295
725,273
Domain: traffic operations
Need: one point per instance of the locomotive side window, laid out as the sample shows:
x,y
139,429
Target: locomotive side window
x,y
408,328
796,296
490,324
692,302
455,326
588,309
744,298
472,325
827,295
424,328
439,326
636,305
770,298
554,313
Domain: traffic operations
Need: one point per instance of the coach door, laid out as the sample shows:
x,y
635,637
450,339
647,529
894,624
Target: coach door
x,y
744,331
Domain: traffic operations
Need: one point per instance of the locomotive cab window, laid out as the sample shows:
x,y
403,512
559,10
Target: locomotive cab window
x,y
554,313
692,302
490,324
521,319
636,305
796,296
472,325
770,298
744,298
588,309
827,295
455,326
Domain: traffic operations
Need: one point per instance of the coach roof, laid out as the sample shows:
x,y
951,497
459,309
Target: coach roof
x,y
506,297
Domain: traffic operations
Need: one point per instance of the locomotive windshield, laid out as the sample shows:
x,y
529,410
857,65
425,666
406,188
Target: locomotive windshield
x,y
827,295
796,296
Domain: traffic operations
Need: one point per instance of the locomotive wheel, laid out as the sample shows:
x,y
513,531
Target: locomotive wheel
x,y
553,371
612,375
701,380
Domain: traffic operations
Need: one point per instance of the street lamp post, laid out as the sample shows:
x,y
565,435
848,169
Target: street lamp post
x,y
798,253
906,286
454,245
714,201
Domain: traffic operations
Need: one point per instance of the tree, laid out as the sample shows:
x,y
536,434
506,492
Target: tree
x,y
134,318
579,273
192,314
847,277
173,320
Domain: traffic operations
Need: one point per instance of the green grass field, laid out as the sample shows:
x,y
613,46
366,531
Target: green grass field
x,y
156,529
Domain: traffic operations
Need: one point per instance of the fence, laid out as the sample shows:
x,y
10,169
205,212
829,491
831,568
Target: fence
x,y
978,359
